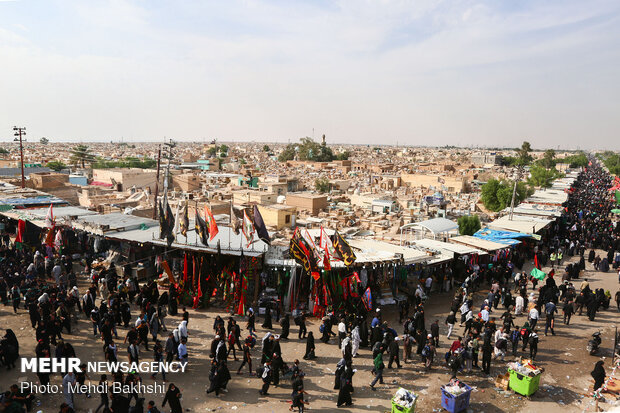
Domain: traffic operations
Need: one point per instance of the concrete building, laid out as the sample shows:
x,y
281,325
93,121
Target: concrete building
x,y
278,216
123,179
384,206
448,183
186,182
245,196
305,201
486,159
48,180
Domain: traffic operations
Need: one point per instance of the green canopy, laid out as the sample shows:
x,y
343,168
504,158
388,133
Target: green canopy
x,y
615,211
538,274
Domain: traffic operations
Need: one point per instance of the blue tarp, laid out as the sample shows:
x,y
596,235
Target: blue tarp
x,y
503,237
34,201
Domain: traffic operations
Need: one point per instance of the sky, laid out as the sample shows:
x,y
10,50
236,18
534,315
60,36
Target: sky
x,y
457,72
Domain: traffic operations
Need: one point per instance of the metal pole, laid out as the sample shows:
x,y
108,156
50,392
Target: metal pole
x,y
514,193
157,182
19,132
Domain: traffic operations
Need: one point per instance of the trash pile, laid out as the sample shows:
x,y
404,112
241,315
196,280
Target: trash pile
x,y
525,368
404,398
455,387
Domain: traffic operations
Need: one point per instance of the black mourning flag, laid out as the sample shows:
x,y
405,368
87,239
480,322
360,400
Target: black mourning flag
x,y
259,224
343,249
201,229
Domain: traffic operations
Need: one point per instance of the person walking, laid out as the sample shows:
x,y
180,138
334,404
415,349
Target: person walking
x,y
450,321
266,377
378,369
487,353
568,311
533,317
247,359
533,341
394,350
173,398
550,310
310,347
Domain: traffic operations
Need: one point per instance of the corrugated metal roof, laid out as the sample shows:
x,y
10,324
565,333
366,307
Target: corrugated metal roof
x,y
455,248
435,225
230,243
520,223
104,224
478,243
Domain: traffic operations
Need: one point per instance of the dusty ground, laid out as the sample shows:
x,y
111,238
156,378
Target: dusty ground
x,y
565,380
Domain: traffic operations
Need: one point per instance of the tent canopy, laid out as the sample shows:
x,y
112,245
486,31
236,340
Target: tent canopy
x,y
435,226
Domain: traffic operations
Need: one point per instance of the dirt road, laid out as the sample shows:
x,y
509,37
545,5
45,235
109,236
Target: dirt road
x,y
564,382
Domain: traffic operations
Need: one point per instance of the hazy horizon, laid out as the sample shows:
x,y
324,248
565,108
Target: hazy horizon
x,y
427,73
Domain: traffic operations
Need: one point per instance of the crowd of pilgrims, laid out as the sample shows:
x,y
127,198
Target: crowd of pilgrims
x,y
584,227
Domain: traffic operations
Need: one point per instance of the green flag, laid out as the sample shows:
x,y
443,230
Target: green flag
x,y
538,274
617,197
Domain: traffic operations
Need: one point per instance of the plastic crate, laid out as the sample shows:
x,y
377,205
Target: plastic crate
x,y
524,385
397,408
455,404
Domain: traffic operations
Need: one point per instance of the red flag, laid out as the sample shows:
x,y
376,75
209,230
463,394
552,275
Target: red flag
x,y
326,263
536,263
21,230
199,285
211,223
185,269
49,238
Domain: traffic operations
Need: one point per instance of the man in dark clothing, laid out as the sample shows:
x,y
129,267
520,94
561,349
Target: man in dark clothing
x,y
435,332
487,352
394,350
568,312
302,326
286,326
247,359
533,341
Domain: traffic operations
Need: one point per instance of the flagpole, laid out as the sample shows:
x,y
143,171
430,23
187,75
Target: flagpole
x,y
230,223
195,218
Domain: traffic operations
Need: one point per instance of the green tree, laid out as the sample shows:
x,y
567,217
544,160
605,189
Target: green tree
x,y
44,141
307,150
322,185
3,151
497,195
612,162
509,160
523,154
469,224
128,162
343,156
80,154
579,160
288,154
56,166
266,148
543,177
224,148
548,159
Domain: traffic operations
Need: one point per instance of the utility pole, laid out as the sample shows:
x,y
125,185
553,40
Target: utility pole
x,y
157,183
514,191
169,145
19,132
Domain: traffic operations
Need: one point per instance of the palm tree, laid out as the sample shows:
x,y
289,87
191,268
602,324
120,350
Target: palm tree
x,y
80,154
